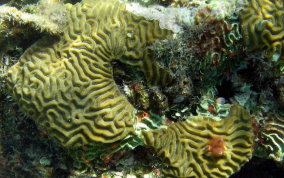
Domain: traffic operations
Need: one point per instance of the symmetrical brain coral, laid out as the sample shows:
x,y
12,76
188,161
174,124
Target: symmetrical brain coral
x,y
262,24
66,84
203,147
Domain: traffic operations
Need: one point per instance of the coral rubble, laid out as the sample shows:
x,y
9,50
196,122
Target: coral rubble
x,y
203,147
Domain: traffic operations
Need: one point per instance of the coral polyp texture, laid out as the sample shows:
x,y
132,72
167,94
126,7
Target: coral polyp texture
x,y
203,147
67,85
273,136
262,24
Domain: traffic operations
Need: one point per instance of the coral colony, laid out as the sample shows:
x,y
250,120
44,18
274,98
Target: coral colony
x,y
140,88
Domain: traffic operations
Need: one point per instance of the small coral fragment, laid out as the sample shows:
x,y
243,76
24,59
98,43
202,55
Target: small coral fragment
x,y
203,147
67,84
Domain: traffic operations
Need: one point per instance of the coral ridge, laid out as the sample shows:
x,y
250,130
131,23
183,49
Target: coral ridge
x,y
66,84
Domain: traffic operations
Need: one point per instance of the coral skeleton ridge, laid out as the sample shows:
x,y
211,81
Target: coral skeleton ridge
x,y
273,135
262,24
67,84
203,147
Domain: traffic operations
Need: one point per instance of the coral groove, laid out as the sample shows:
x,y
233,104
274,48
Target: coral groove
x,y
66,84
273,135
262,24
184,146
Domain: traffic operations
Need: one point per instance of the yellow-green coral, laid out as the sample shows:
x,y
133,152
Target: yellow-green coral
x,y
66,84
185,146
263,28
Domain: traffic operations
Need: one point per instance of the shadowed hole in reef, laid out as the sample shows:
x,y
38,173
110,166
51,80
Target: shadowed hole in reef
x,y
72,1
4,2
225,90
259,168
126,73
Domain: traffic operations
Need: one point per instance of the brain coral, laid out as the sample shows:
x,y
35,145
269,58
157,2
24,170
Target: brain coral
x,y
273,135
262,25
66,84
203,147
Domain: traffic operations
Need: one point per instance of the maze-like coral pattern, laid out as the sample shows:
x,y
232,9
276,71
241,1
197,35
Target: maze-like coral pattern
x,y
262,25
66,84
185,146
273,136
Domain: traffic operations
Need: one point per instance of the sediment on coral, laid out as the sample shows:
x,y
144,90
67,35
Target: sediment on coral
x,y
18,3
22,25
11,16
67,85
203,147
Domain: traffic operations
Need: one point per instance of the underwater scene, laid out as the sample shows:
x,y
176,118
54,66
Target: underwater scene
x,y
141,88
